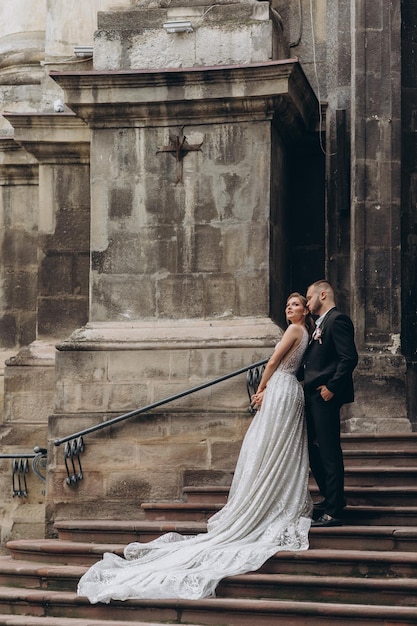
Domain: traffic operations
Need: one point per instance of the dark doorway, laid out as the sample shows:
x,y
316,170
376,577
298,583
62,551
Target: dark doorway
x,y
307,224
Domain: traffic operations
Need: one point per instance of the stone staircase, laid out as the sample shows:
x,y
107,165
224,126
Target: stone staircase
x,y
364,572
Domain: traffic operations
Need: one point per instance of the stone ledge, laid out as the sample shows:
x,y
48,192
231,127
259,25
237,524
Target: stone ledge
x,y
174,334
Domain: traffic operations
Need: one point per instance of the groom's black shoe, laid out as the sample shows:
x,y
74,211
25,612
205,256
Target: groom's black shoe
x,y
326,521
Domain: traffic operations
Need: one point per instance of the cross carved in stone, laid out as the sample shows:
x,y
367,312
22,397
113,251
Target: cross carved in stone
x,y
179,148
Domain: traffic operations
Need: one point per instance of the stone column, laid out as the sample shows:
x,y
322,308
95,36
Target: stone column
x,y
46,282
19,240
61,145
376,251
22,417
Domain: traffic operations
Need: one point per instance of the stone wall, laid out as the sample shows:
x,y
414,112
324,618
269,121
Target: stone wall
x,y
145,458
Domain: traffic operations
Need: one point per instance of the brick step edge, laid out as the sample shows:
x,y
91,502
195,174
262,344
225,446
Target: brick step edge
x,y
273,608
55,547
192,527
31,620
333,582
378,441
9,566
132,526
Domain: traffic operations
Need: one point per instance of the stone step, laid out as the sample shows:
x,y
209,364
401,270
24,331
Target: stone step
x,y
344,562
224,611
31,620
208,494
60,552
379,441
373,505
109,531
381,496
353,563
376,496
305,588
340,589
179,511
390,457
341,537
39,575
379,538
378,476
380,515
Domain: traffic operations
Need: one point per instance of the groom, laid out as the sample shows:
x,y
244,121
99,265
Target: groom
x,y
329,362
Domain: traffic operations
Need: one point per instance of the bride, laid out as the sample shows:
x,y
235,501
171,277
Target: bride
x,y
268,509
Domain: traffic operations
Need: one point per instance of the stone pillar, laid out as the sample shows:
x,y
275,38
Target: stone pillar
x,y
19,240
57,251
376,242
61,145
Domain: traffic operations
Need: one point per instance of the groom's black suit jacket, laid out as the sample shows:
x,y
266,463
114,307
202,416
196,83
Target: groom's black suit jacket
x,y
332,360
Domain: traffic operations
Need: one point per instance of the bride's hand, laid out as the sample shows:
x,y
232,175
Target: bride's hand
x,y
257,399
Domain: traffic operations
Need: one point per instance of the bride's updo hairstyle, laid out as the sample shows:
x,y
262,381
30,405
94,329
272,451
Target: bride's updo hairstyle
x,y
309,322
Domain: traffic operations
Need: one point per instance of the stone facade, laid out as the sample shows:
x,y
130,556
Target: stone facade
x,y
194,179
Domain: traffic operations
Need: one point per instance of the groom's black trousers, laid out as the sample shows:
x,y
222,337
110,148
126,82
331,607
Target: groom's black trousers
x,y
326,458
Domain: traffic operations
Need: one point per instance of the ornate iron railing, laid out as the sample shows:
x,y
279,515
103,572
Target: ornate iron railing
x,y
74,443
21,466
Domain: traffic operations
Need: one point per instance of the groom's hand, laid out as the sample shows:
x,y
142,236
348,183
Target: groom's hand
x,y
325,393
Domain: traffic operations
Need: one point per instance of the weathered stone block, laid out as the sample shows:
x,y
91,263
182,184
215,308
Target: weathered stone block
x,y
220,295
20,248
227,34
379,384
127,397
134,366
29,406
112,301
181,296
72,365
207,244
253,292
59,316
9,332
24,379
19,288
377,233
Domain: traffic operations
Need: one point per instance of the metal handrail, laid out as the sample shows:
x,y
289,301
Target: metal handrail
x,y
154,405
20,467
75,442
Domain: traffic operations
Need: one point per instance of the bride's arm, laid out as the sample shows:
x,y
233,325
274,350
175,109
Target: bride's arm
x,y
291,336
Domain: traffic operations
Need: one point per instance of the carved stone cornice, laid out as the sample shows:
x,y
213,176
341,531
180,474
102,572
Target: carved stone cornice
x,y
52,137
111,99
16,165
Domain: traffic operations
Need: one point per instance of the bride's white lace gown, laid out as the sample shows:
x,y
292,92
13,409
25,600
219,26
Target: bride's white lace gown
x,y
268,510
